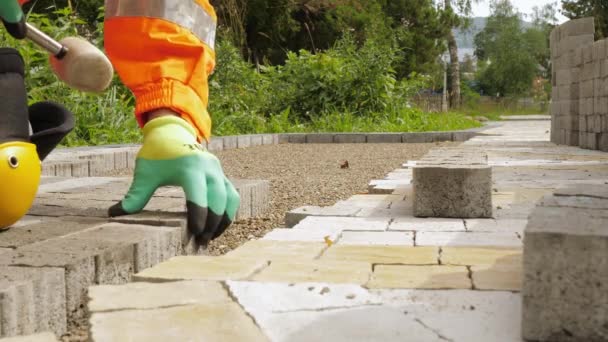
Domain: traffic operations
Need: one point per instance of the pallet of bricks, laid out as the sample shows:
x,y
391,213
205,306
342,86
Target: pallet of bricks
x,y
579,109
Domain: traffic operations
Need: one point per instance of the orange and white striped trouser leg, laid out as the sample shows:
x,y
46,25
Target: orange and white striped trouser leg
x,y
163,52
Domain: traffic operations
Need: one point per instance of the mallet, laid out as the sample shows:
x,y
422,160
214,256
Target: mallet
x,y
75,61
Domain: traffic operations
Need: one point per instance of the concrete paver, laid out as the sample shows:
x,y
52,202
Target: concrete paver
x,y
343,312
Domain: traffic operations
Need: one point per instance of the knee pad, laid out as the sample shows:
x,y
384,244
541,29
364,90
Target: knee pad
x,y
51,122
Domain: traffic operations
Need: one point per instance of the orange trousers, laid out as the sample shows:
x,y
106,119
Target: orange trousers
x,y
162,62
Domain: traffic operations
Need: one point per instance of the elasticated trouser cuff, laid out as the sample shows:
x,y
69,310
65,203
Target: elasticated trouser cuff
x,y
174,95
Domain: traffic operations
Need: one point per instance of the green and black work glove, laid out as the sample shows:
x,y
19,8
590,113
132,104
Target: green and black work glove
x,y
170,155
13,18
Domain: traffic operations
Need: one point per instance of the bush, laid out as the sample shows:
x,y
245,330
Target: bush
x,y
350,87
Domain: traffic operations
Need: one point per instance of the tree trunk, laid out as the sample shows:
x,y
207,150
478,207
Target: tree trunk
x,y
455,99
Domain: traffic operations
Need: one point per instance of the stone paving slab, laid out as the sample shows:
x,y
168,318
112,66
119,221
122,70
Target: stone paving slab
x,y
420,277
42,337
341,312
143,316
202,268
477,239
383,254
331,271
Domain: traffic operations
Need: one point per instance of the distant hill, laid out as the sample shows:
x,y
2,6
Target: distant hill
x,y
466,38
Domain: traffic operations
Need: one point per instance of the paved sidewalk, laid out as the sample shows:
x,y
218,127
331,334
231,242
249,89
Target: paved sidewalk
x,y
364,269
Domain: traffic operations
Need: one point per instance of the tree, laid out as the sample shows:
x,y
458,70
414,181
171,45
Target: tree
x,y
419,31
506,52
589,8
453,20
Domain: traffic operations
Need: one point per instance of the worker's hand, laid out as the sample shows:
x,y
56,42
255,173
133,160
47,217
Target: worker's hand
x,y
170,155
13,18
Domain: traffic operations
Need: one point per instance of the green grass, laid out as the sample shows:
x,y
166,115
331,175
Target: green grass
x,y
406,120
494,111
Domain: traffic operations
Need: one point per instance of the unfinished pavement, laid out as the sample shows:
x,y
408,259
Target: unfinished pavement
x,y
67,243
365,268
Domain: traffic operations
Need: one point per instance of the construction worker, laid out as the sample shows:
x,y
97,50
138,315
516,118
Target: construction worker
x,y
163,52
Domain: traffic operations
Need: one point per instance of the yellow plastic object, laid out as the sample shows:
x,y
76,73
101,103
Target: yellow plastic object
x,y
20,170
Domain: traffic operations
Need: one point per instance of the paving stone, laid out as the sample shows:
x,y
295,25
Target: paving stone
x,y
79,272
319,138
462,191
75,184
260,197
295,138
26,221
40,230
230,142
420,277
42,337
330,271
145,296
317,235
377,238
267,139
499,277
201,268
350,138
343,223
395,213
462,136
152,245
107,254
243,141
416,137
375,138
383,254
224,321
259,297
341,312
278,250
294,216
427,224
492,225
32,300
490,239
472,256
256,140
216,144
564,294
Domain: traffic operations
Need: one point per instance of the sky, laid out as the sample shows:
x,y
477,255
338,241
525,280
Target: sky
x,y
482,9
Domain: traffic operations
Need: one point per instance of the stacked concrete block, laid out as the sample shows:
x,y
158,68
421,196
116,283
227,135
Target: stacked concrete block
x,y
565,283
579,108
453,183
567,42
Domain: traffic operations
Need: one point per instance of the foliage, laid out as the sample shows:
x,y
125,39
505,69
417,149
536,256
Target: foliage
x,y
358,82
589,8
100,119
508,55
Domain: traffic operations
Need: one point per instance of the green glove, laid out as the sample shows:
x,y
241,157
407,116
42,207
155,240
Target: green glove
x,y
170,155
13,18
